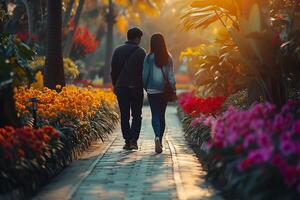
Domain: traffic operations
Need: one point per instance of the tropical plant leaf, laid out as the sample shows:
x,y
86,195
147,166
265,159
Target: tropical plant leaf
x,y
228,5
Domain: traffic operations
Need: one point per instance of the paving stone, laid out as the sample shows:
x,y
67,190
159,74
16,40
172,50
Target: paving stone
x,y
136,175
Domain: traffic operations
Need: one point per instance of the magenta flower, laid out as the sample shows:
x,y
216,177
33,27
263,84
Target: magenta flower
x,y
287,147
261,136
195,122
297,127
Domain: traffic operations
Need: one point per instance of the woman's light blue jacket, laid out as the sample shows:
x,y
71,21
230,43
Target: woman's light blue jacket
x,y
153,77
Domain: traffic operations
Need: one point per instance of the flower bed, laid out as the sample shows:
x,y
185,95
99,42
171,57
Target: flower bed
x,y
69,121
193,111
251,154
258,150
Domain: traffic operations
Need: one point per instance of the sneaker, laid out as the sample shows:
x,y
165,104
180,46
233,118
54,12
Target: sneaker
x,y
158,148
161,142
127,145
134,145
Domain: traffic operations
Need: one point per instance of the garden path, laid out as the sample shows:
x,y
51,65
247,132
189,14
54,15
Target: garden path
x,y
108,172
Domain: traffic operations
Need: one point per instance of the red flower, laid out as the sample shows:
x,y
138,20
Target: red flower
x,y
25,36
84,41
17,143
194,106
245,164
22,36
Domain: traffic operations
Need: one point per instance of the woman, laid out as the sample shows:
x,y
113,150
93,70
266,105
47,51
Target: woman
x,y
158,68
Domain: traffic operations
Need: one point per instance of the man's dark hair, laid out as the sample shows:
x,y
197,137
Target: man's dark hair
x,y
134,33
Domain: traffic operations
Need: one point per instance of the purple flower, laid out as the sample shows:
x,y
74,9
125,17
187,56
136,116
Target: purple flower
x,y
278,122
287,147
250,139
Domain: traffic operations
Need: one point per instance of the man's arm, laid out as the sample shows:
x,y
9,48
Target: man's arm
x,y
115,68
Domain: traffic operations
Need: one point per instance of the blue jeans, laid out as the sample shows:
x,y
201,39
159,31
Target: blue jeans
x,y
158,109
130,101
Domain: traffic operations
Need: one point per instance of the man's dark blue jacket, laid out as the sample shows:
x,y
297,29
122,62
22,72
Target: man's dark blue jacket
x,y
131,76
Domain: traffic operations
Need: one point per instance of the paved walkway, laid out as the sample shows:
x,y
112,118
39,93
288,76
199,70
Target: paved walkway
x,y
108,172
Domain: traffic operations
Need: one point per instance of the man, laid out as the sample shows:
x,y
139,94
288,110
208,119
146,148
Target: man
x,y
126,74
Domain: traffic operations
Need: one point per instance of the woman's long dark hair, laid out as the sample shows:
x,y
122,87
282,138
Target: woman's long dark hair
x,y
159,48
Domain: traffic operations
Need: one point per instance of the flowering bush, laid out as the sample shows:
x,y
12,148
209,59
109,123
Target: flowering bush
x,y
39,81
84,43
70,68
80,116
71,101
26,142
194,106
195,113
26,154
259,149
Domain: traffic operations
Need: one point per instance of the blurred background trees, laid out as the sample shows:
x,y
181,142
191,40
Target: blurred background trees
x,y
224,46
262,35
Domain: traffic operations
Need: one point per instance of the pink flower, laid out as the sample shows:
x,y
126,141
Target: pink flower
x,y
197,121
278,122
287,147
264,140
297,127
209,120
232,138
256,157
250,139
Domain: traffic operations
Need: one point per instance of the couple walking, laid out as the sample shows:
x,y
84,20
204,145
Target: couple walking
x,y
131,72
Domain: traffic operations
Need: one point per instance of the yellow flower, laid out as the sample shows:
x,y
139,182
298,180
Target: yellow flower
x,y
73,101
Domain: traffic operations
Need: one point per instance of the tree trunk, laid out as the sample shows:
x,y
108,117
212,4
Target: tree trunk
x,y
54,69
100,31
29,17
68,13
70,37
110,19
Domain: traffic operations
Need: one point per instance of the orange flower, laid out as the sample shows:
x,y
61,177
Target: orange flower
x,y
71,100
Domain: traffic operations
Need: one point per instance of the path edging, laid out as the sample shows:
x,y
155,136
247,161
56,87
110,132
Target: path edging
x,y
90,169
177,176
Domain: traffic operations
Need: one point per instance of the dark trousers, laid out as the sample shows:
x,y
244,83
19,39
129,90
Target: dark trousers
x,y
130,101
158,109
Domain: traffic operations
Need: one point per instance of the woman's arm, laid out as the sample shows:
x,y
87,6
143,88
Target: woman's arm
x,y
146,72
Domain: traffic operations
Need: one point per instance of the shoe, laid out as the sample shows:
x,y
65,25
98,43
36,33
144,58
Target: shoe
x,y
158,148
134,145
161,143
127,145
